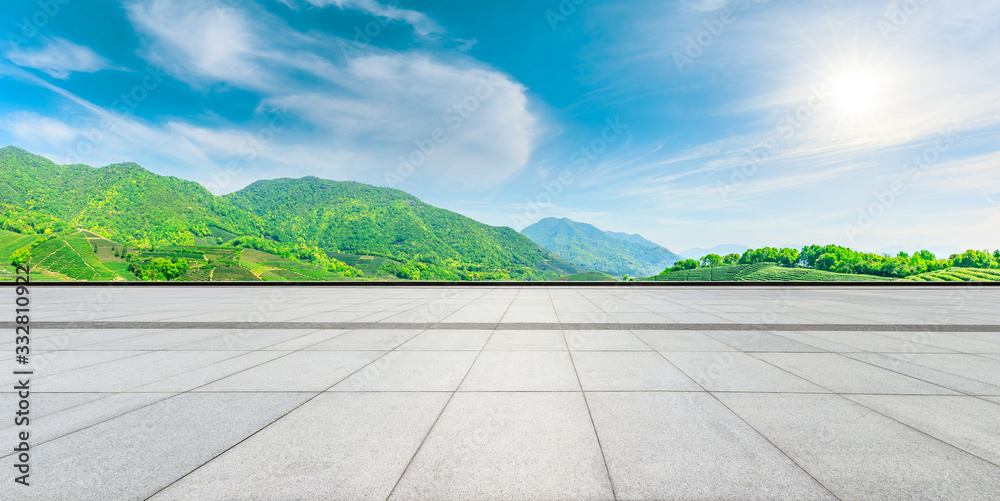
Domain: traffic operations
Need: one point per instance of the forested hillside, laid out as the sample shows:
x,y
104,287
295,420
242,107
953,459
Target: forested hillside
x,y
129,205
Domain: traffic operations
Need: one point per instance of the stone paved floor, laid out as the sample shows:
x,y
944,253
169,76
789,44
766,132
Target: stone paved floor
x,y
509,392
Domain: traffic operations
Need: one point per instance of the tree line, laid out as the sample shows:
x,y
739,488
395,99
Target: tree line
x,y
837,259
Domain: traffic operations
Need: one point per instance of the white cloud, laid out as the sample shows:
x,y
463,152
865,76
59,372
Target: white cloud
x,y
707,5
422,24
370,108
474,122
34,128
199,41
58,58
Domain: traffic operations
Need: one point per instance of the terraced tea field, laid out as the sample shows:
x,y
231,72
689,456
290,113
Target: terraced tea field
x,y
762,272
71,258
594,276
958,275
368,265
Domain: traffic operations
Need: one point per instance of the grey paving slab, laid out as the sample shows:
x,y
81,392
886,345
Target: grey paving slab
x,y
689,446
967,366
242,340
876,342
45,404
368,339
604,340
969,423
529,316
629,371
518,426
157,340
436,339
841,374
77,416
736,371
60,362
821,343
516,446
412,371
681,341
298,371
902,365
948,342
859,454
307,340
186,381
71,339
337,446
128,373
528,340
522,371
141,452
760,341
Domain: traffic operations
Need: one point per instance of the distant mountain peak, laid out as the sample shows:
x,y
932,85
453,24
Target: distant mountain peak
x,y
613,253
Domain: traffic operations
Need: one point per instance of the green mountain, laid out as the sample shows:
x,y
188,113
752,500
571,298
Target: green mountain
x,y
363,219
584,245
129,205
121,202
633,237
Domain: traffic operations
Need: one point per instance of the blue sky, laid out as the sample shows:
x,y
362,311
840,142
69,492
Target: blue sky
x,y
693,122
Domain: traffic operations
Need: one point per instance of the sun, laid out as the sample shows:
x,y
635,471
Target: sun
x,y
856,93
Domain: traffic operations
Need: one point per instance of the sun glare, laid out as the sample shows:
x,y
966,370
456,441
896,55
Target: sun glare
x,y
856,93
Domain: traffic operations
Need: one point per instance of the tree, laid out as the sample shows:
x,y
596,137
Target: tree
x,y
160,269
711,260
974,259
731,259
687,264
788,257
21,257
826,262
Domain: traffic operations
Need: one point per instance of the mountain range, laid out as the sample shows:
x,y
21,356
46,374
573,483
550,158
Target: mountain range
x,y
616,254
127,204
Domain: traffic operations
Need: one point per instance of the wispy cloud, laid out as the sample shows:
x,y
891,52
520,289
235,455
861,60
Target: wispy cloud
x,y
58,58
422,24
452,120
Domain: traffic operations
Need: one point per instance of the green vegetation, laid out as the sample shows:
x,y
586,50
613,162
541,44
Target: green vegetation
x,y
760,272
615,254
419,241
122,222
83,255
593,276
958,275
65,257
834,263
377,232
